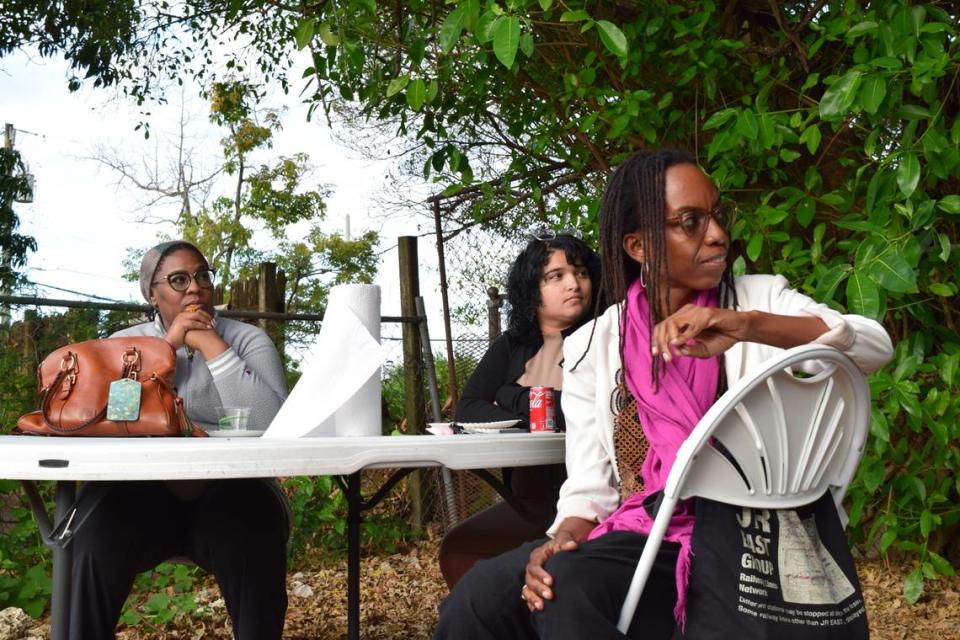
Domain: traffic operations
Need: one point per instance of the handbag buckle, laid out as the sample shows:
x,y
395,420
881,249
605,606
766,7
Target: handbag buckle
x,y
68,364
130,359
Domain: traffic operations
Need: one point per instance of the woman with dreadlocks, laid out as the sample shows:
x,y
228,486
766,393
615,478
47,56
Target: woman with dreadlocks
x,y
646,370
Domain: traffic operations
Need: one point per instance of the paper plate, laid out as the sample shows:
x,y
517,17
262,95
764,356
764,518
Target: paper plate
x,y
480,427
235,433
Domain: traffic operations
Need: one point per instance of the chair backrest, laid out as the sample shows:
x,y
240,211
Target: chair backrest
x,y
772,441
775,440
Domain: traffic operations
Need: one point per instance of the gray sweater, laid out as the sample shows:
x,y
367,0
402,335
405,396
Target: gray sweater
x,y
248,374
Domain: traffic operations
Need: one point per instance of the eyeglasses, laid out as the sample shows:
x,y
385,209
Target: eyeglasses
x,y
546,233
694,222
180,280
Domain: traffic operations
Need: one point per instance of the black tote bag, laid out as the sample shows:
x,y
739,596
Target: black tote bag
x,y
761,574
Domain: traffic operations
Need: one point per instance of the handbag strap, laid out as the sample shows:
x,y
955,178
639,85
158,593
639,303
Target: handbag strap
x,y
48,394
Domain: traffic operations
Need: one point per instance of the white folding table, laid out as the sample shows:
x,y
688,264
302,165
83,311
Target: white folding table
x,y
67,460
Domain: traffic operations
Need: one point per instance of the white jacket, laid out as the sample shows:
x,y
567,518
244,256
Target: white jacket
x,y
590,491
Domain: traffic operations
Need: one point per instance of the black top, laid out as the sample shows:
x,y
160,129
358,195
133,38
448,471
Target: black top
x,y
492,393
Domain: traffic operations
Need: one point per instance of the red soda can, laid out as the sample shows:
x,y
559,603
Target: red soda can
x,y
542,413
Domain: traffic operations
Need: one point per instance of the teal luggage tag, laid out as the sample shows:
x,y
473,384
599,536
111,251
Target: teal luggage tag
x,y
123,402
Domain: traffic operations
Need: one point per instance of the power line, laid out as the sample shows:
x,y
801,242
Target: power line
x,y
78,293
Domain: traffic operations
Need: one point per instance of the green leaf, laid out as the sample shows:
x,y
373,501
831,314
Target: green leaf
x,y
811,137
892,272
872,92
612,38
546,4
837,99
451,29
946,246
948,370
432,90
328,37
369,5
789,155
719,118
397,85
879,427
747,125
950,204
862,295
506,39
806,210
416,94
872,473
887,62
942,289
526,44
913,586
829,282
574,16
755,246
926,523
887,539
304,32
913,112
861,28
485,26
908,174
941,564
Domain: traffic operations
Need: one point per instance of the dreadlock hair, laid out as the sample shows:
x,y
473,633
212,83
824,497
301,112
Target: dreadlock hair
x,y
633,200
526,273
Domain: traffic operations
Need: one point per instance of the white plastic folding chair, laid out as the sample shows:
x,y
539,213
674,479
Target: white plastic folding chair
x,y
785,441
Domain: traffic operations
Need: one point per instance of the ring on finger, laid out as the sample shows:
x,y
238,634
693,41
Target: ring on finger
x,y
523,596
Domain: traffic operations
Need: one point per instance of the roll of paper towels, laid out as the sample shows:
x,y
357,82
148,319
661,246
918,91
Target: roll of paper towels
x,y
339,390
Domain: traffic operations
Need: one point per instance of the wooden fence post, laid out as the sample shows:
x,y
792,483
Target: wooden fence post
x,y
270,297
412,371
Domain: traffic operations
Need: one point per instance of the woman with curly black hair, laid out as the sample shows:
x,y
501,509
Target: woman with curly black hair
x,y
551,289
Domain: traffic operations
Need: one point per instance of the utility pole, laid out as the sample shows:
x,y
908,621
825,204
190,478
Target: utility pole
x,y
9,133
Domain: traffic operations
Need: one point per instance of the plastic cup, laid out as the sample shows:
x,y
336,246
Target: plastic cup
x,y
233,418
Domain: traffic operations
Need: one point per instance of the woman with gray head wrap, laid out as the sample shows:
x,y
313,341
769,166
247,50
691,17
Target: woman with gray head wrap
x,y
236,529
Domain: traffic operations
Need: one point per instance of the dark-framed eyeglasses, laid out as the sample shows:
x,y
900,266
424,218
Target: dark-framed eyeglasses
x,y
694,222
180,280
546,233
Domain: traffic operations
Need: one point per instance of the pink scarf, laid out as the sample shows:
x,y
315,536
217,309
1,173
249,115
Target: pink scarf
x,y
688,387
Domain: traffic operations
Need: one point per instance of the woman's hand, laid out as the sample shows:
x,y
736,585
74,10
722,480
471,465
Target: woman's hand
x,y
185,322
700,332
538,583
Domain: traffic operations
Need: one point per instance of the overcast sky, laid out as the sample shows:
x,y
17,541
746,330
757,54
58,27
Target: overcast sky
x,y
83,221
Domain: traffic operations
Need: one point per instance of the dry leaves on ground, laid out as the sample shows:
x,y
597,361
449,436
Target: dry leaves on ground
x,y
401,593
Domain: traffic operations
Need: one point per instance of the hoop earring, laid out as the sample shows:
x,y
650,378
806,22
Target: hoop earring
x,y
643,269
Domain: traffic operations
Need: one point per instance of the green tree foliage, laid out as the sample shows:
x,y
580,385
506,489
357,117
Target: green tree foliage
x,y
834,123
14,246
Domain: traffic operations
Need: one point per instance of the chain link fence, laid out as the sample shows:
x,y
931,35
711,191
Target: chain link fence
x,y
477,259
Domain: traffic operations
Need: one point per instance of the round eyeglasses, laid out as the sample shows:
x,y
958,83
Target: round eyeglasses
x,y
694,222
180,280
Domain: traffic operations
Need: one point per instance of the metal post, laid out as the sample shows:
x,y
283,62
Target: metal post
x,y
453,392
431,370
62,568
493,313
353,556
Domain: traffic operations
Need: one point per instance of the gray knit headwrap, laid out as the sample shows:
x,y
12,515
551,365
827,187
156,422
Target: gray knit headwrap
x,y
151,260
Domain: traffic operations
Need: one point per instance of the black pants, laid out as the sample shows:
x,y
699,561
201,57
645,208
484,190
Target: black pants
x,y
236,529
590,585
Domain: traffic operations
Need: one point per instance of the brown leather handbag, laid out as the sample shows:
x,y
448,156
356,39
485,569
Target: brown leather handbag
x,y
74,386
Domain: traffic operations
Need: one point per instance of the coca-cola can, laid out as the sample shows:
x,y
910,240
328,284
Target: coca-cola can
x,y
542,413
